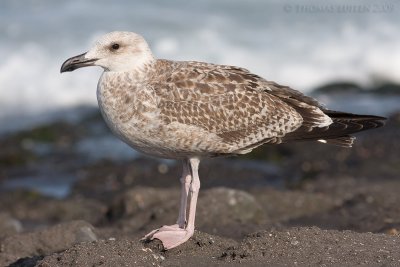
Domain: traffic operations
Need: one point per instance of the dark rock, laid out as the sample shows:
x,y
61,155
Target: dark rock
x,y
386,89
143,209
372,208
138,200
283,205
338,87
9,225
44,242
394,119
105,180
26,262
228,212
222,211
33,207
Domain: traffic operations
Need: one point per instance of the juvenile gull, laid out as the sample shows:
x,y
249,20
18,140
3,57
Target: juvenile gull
x,y
190,110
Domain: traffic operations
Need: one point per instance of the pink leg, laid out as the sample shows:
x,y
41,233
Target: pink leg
x,y
194,193
186,179
174,235
181,221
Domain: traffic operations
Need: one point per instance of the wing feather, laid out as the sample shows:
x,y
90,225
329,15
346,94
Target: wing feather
x,y
227,101
245,111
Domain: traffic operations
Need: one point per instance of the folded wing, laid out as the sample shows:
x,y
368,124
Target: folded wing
x,y
243,109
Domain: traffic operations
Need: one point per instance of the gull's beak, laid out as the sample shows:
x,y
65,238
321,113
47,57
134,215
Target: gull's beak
x,y
77,62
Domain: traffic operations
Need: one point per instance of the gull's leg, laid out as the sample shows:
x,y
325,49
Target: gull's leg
x,y
194,193
185,184
172,236
186,179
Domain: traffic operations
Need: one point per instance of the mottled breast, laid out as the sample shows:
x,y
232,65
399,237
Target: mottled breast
x,y
129,108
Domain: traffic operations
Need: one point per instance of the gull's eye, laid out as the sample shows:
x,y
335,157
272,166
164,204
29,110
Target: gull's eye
x,y
115,46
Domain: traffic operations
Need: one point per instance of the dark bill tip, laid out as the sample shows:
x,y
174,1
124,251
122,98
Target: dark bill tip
x,y
76,62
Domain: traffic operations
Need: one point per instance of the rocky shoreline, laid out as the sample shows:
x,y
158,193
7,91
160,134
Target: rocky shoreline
x,y
304,204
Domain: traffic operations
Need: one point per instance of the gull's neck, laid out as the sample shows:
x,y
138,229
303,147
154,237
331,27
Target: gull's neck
x,y
138,69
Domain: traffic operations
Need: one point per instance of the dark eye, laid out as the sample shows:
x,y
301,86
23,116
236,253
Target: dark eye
x,y
115,46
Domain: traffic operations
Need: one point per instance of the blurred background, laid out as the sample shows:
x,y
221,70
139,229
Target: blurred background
x,y
54,145
303,44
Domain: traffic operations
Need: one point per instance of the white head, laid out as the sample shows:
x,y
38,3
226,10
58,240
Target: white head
x,y
114,51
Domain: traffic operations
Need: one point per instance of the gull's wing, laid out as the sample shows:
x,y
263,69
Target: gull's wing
x,y
243,109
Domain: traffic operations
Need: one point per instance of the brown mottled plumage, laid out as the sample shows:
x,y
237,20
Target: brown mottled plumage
x,y
229,110
190,110
222,100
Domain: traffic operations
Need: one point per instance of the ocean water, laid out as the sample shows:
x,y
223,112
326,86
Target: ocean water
x,y
303,44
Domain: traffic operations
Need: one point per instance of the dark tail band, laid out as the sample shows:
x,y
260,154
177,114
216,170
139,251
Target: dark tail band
x,y
338,133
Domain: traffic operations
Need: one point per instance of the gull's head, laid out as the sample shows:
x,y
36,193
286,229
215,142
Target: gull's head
x,y
114,51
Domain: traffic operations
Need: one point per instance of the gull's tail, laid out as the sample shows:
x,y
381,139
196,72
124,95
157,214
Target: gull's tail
x,y
339,132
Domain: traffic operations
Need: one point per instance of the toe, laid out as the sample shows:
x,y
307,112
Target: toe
x,y
149,235
171,239
167,228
